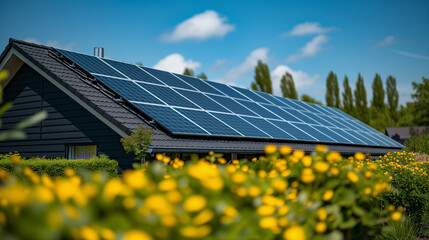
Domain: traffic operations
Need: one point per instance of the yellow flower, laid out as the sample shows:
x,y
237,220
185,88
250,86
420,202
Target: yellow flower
x,y
16,159
159,156
367,174
221,160
335,171
359,156
254,191
215,183
307,160
352,176
262,174
194,203
396,216
159,204
283,221
268,222
285,150
265,210
169,221
295,233
298,154
333,157
134,178
167,185
270,149
307,175
328,195
230,211
129,202
69,172
321,148
88,233
283,210
239,178
136,235
43,194
321,167
279,184
174,196
367,191
321,214
195,232
203,217
107,234
320,227
241,192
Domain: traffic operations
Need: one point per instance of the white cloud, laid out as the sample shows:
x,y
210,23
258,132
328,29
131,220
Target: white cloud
x,y
310,49
411,55
199,27
308,28
247,66
301,79
218,66
176,63
51,43
388,41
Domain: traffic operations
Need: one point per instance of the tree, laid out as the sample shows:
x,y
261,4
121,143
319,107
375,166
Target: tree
x,y
348,105
392,98
262,79
361,101
188,72
202,76
332,91
309,99
138,143
287,86
378,94
421,104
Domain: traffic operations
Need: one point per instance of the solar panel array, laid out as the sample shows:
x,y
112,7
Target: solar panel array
x,y
188,105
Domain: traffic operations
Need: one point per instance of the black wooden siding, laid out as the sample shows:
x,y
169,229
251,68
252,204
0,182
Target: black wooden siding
x,y
67,123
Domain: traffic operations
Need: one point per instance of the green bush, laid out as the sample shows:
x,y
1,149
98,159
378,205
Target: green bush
x,y
405,229
418,144
55,167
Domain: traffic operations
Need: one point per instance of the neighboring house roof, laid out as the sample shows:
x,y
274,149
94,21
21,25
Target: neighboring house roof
x,y
401,134
124,119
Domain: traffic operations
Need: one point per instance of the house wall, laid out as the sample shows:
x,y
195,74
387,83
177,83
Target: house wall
x,y
68,122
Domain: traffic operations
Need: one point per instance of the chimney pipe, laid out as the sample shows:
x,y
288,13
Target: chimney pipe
x,y
99,52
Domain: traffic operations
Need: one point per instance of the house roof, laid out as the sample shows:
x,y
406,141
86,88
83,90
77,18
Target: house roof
x,y
405,132
124,118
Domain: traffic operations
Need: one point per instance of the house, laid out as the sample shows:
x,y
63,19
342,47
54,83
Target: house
x,y
403,134
88,114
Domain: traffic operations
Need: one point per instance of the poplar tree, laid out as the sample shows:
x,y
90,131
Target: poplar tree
x,y
348,97
188,72
202,76
332,91
392,97
360,101
378,94
262,79
421,102
287,86
309,99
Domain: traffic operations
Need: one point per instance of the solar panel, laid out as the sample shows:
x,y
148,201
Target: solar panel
x,y
187,105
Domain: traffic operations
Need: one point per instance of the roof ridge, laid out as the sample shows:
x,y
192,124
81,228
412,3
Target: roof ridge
x,y
13,40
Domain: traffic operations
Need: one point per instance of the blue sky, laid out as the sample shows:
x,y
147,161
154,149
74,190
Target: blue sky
x,y
225,39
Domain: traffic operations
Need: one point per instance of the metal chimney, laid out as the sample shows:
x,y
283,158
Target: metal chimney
x,y
99,52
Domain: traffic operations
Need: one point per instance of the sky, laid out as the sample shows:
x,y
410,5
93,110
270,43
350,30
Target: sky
x,y
225,39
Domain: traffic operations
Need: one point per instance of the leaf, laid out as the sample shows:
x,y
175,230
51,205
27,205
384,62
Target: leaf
x,y
348,224
358,210
335,235
345,197
32,120
5,108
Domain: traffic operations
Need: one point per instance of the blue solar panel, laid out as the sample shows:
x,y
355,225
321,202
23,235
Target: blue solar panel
x,y
269,128
202,101
232,105
170,119
251,95
227,90
282,113
209,123
258,109
168,96
168,78
199,84
188,105
132,71
91,64
293,131
313,132
240,125
129,90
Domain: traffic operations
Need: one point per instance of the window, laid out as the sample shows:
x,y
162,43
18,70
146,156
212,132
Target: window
x,y
82,151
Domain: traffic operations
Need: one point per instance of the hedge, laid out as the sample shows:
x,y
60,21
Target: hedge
x,y
56,167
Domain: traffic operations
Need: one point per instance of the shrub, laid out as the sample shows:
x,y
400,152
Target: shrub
x,y
56,167
404,229
284,194
418,144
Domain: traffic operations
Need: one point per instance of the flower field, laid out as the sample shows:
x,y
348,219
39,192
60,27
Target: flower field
x,y
285,194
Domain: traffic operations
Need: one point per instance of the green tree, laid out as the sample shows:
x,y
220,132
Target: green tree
x,y
361,103
332,91
348,105
188,72
392,97
378,94
407,115
287,86
202,76
309,99
138,143
421,102
262,79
